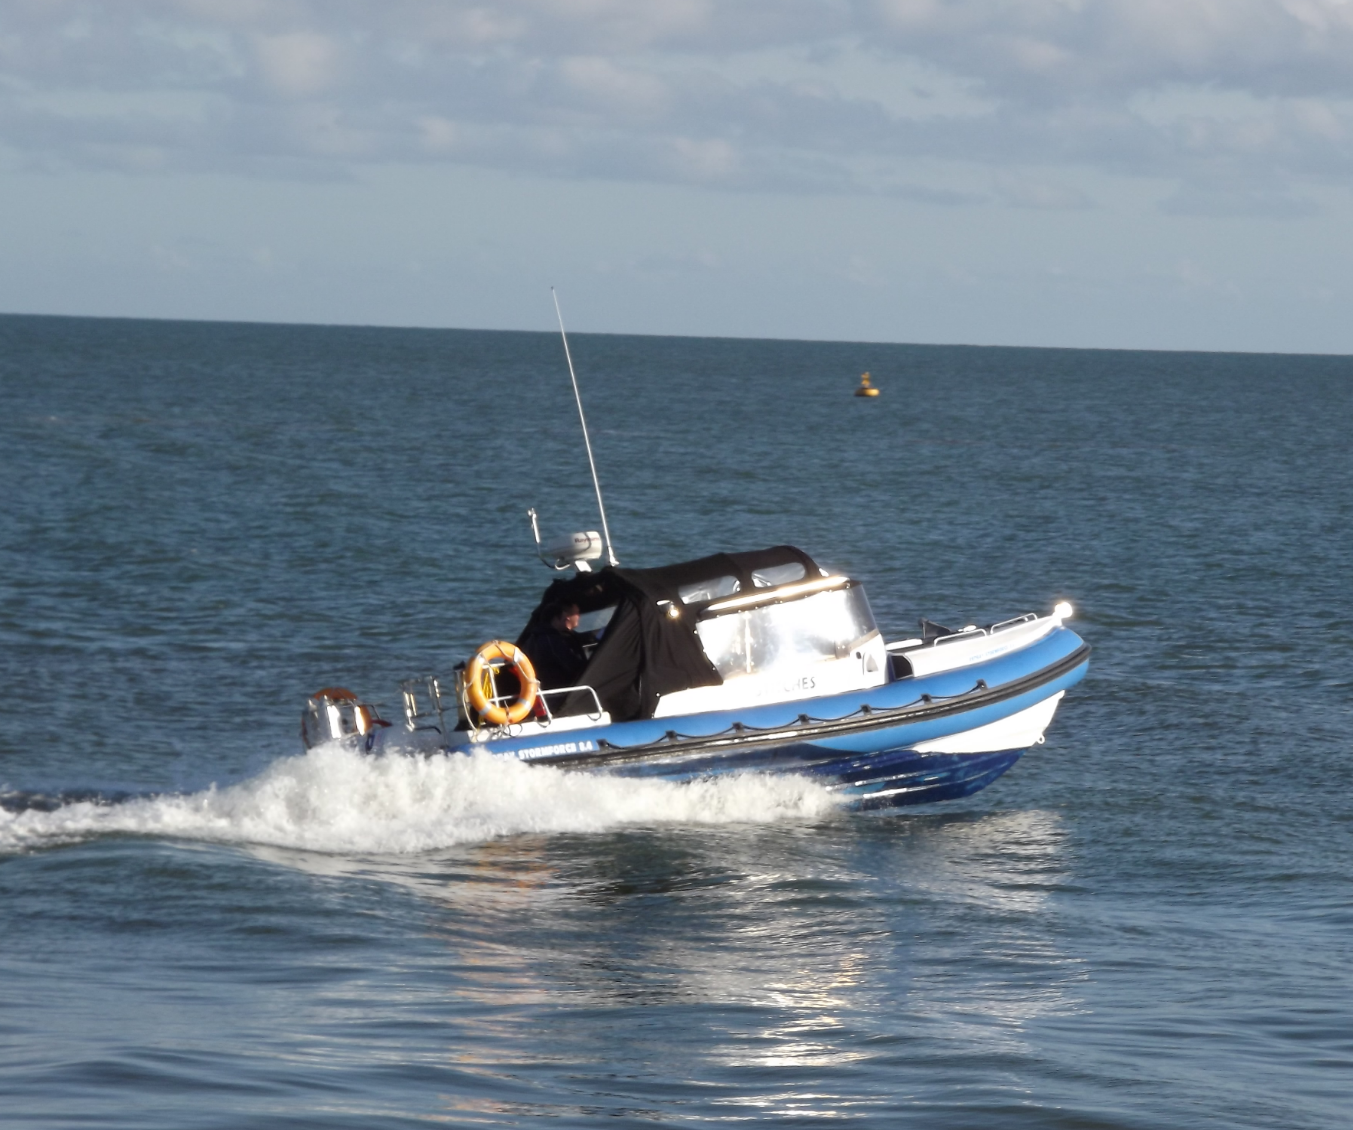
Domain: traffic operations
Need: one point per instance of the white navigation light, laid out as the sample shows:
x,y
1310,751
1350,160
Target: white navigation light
x,y
574,549
1062,610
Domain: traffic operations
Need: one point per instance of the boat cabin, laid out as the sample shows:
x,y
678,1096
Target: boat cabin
x,y
720,632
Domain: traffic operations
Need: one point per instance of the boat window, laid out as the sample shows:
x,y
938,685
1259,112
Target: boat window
x,y
712,589
596,620
778,575
790,635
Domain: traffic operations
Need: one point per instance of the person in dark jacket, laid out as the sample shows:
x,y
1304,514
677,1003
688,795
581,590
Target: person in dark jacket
x,y
555,649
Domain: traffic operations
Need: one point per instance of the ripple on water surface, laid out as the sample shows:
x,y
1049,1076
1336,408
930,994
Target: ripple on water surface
x,y
1145,924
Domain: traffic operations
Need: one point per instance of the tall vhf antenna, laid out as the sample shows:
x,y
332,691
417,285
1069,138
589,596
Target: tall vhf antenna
x,y
596,484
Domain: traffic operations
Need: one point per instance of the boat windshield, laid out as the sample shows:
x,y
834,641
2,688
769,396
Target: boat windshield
x,y
790,634
712,589
778,575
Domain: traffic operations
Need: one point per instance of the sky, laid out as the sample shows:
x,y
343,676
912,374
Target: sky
x,y
1163,174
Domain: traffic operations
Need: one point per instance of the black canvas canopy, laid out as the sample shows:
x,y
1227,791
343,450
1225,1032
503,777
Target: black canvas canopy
x,y
645,651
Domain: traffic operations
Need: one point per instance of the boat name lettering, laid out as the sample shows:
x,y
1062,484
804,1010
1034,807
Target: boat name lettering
x,y
561,747
802,683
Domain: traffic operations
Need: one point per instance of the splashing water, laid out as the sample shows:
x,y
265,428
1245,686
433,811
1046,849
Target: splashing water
x,y
336,800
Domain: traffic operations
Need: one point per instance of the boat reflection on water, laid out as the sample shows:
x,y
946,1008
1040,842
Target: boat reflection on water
x,y
785,966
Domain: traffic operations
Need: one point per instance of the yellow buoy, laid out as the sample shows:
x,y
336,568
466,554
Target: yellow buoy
x,y
866,389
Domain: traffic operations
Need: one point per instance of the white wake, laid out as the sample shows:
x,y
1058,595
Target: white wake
x,y
335,800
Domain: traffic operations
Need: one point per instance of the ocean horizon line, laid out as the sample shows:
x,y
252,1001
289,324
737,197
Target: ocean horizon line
x,y
553,332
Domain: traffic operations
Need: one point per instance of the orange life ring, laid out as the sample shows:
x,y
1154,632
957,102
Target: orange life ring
x,y
479,688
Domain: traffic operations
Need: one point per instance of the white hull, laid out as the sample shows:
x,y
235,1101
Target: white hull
x,y
1019,731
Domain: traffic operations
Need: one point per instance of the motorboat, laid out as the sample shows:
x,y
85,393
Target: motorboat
x,y
755,661
759,661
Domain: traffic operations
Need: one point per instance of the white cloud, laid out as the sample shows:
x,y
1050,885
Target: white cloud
x,y
439,134
852,96
619,92
704,159
298,63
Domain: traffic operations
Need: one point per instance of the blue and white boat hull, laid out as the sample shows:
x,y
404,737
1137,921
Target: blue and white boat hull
x,y
912,740
753,662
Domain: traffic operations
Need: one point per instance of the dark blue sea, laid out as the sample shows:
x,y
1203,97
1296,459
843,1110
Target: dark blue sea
x,y
1147,923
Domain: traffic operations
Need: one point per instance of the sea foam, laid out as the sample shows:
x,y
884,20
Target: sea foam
x,y
335,800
